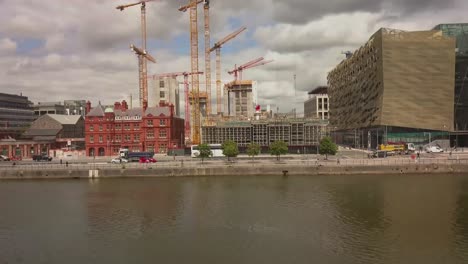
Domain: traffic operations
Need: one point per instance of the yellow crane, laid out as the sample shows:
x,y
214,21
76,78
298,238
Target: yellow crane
x,y
217,46
206,9
142,54
192,5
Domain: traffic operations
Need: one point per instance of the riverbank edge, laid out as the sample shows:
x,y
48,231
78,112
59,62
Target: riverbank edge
x,y
241,170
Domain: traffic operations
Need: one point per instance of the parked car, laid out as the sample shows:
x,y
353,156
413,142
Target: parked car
x,y
41,158
434,149
4,158
119,160
147,160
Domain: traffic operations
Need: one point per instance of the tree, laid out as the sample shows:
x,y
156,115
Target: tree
x,y
204,151
327,147
230,149
253,150
278,148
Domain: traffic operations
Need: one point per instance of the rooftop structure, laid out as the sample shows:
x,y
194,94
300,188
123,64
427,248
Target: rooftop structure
x,y
317,106
240,98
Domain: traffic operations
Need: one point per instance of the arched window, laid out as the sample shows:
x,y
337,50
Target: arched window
x,y
91,152
101,152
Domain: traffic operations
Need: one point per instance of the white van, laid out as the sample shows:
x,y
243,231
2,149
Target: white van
x,y
434,149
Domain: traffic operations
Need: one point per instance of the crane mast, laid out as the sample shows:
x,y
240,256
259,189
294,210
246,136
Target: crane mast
x,y
192,6
206,8
217,47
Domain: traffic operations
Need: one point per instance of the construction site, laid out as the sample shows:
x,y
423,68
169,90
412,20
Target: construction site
x,y
236,114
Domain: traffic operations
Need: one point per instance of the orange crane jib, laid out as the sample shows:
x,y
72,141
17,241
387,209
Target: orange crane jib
x,y
227,38
122,7
248,65
186,7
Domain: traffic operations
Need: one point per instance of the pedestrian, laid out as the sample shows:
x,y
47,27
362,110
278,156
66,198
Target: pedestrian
x,y
60,161
66,163
418,155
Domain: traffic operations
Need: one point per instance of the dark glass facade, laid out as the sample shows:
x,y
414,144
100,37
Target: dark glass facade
x,y
460,32
16,115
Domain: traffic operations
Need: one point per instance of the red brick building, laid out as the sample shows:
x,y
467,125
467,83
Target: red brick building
x,y
155,129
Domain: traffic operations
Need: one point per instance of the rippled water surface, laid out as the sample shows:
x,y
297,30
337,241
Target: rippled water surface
x,y
329,219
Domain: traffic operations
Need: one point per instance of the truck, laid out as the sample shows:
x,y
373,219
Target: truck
x,y
135,156
398,147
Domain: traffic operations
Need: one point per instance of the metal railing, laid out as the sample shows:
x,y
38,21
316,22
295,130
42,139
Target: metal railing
x,y
243,162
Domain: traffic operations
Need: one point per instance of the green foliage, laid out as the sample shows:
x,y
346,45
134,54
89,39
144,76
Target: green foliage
x,y
230,149
278,148
205,151
327,147
253,150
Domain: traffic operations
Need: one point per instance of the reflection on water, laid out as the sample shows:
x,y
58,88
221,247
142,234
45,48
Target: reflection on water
x,y
329,219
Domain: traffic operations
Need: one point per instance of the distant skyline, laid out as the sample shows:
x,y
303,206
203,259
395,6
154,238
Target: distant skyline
x,y
76,49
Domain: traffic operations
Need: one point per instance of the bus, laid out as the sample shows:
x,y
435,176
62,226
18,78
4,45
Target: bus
x,y
216,150
134,156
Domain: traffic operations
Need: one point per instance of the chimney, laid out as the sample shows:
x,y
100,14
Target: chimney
x,y
124,106
88,107
117,106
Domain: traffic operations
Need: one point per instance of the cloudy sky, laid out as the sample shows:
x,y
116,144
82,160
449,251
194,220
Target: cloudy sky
x,y
54,50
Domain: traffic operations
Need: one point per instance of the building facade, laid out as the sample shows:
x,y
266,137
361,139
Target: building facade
x,y
397,79
75,107
166,91
152,129
51,108
317,105
300,134
240,99
16,115
46,135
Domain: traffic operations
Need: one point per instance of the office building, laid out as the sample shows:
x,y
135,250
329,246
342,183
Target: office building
x,y
153,129
398,82
317,104
16,115
300,134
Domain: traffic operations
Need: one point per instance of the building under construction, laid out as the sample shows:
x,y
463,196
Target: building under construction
x,y
240,99
301,135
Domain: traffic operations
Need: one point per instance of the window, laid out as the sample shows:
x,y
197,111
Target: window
x,y
150,148
91,139
118,127
162,133
100,127
136,127
150,134
150,122
161,84
127,126
127,137
100,138
162,122
136,138
163,148
91,128
108,138
107,127
118,138
162,94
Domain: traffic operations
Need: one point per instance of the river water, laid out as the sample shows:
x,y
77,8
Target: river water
x,y
317,219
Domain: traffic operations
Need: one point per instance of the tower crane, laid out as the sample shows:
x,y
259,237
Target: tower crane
x,y
142,56
194,67
186,94
237,71
143,71
206,9
217,46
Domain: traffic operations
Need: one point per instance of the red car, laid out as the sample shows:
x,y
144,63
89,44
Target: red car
x,y
147,160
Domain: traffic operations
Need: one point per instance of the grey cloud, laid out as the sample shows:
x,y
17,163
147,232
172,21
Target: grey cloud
x,y
302,11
